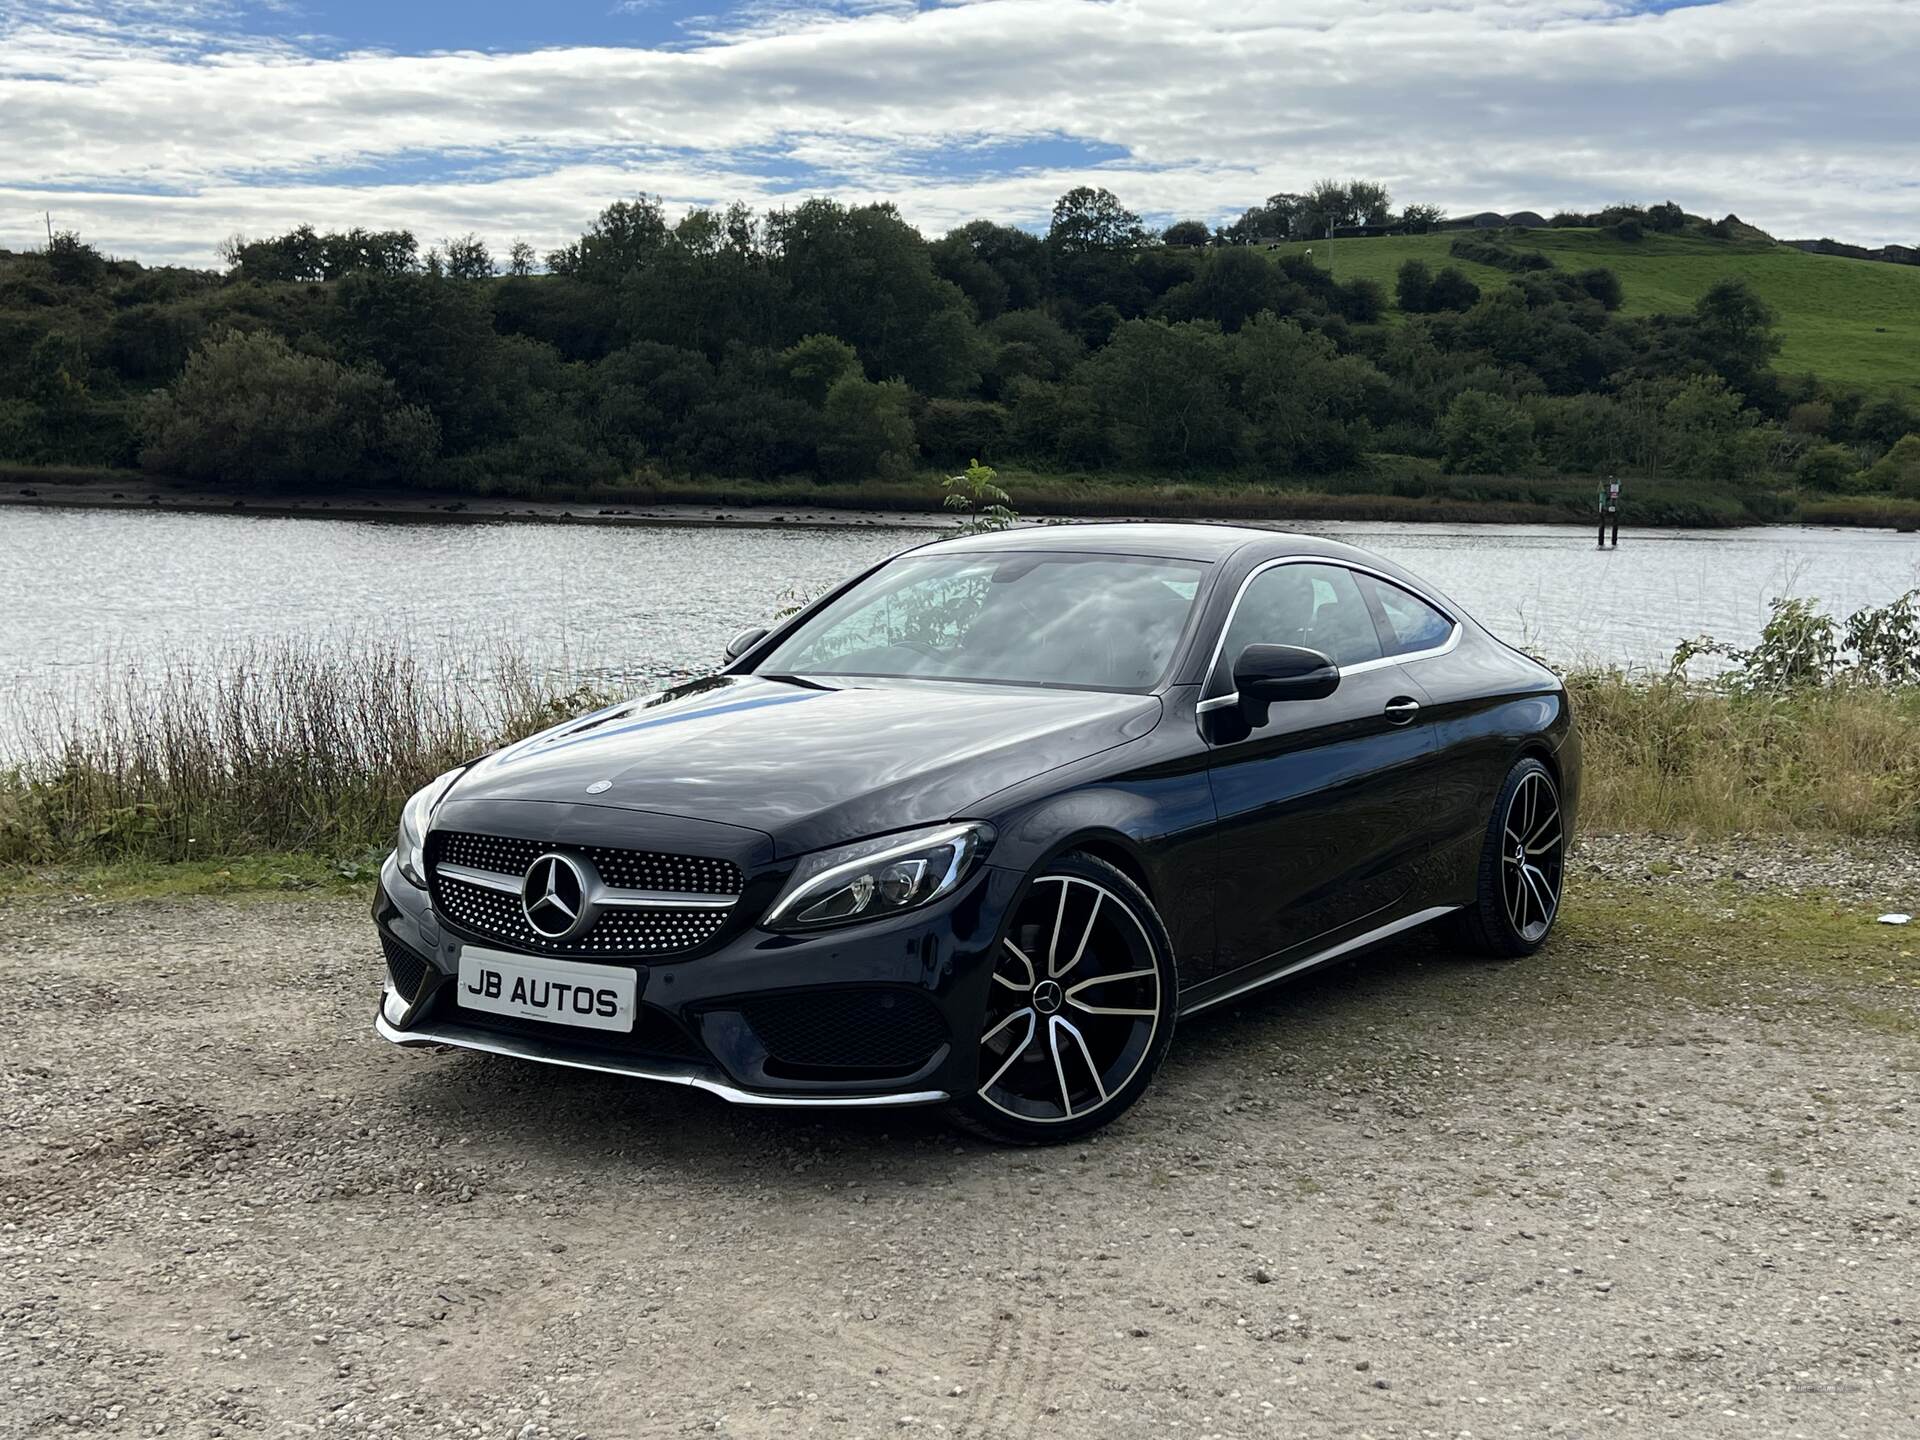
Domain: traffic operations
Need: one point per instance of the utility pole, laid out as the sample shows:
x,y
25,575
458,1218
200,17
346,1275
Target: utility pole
x,y
49,215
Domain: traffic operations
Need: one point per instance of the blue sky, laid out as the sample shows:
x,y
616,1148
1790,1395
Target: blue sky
x,y
160,128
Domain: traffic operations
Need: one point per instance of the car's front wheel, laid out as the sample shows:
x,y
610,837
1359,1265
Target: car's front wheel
x,y
1522,866
1079,1010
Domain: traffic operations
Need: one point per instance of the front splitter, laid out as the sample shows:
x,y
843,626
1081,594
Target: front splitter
x,y
465,1037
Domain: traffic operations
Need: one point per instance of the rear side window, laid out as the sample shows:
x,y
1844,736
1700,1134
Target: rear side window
x,y
1412,625
1318,606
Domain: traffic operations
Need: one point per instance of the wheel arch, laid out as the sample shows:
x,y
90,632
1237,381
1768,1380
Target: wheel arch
x,y
1117,850
1535,747
1101,832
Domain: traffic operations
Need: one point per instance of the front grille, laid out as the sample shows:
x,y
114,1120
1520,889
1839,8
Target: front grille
x,y
896,1030
407,970
618,933
622,869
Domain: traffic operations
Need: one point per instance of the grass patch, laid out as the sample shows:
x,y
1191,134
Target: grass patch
x,y
1775,953
1853,321
1677,759
295,748
1882,511
1399,488
225,768
1386,487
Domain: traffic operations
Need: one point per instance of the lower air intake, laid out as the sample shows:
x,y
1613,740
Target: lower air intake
x,y
848,1030
407,970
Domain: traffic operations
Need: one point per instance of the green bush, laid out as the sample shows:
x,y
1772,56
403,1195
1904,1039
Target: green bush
x,y
251,411
1482,434
953,432
1897,472
1500,257
1827,467
865,431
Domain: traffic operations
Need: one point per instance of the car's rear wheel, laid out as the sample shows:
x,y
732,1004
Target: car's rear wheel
x,y
1079,1010
1522,867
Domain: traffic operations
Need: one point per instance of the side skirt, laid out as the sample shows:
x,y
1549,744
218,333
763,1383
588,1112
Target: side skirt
x,y
1318,958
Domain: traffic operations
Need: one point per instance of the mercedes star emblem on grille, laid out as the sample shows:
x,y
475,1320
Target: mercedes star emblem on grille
x,y
554,896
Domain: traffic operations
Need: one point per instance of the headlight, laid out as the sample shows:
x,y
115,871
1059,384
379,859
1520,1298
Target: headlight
x,y
878,877
410,850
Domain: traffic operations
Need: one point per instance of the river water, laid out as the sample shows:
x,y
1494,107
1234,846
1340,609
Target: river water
x,y
83,589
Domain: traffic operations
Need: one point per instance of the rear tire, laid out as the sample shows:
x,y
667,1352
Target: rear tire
x,y
1522,868
1079,1010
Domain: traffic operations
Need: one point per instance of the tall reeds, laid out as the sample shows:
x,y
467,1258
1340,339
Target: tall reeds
x,y
291,746
309,747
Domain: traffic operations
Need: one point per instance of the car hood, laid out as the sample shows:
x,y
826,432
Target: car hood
x,y
810,763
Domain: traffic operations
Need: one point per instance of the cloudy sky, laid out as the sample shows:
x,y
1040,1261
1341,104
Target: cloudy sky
x,y
157,129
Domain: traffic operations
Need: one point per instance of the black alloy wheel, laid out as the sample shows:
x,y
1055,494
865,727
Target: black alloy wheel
x,y
1522,867
1079,1010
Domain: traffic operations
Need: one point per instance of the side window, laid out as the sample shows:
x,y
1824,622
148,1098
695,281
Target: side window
x,y
1316,606
1413,624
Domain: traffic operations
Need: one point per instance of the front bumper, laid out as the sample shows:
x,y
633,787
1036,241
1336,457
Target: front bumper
x,y
901,997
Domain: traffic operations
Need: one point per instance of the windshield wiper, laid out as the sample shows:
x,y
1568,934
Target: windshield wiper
x,y
800,680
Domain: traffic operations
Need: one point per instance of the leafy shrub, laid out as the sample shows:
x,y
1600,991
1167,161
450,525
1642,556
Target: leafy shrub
x,y
1897,472
1412,285
1603,285
250,410
1827,467
982,505
952,432
864,430
1801,646
1363,301
1500,257
1482,434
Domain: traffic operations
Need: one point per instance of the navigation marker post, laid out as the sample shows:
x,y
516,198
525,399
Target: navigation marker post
x,y
1609,511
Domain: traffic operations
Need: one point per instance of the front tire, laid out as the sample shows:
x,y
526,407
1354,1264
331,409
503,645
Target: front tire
x,y
1079,1010
1522,867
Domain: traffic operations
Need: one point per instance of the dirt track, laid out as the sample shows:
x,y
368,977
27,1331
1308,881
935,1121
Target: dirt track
x,y
1628,1187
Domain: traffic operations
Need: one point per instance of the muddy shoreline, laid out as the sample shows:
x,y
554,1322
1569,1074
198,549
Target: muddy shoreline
x,y
427,508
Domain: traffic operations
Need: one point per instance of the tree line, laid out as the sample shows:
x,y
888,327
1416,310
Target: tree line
x,y
838,342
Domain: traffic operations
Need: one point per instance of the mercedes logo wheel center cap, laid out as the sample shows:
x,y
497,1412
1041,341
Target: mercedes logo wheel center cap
x,y
555,896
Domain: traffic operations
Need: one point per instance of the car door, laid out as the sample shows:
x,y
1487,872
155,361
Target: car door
x,y
1464,693
1318,800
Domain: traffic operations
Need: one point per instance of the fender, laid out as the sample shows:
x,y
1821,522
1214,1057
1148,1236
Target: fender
x,y
1145,807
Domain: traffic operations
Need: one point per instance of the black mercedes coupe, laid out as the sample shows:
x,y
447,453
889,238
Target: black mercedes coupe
x,y
976,828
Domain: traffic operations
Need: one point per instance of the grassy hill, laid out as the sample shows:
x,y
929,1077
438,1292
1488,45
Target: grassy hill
x,y
1855,321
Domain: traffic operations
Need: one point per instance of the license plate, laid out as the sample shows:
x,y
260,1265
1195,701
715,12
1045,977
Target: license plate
x,y
594,997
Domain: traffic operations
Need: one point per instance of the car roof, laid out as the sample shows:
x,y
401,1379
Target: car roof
x,y
1174,540
1200,540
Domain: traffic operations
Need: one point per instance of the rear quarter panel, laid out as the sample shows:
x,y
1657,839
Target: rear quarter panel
x,y
1487,705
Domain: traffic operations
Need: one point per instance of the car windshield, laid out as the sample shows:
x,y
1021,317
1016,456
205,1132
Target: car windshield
x,y
1096,622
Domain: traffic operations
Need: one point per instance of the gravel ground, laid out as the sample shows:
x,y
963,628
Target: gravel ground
x,y
1634,1185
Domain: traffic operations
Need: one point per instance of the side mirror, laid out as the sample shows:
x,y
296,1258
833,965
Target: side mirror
x,y
745,641
1265,673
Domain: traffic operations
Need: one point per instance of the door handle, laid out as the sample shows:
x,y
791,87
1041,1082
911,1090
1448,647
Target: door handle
x,y
1401,709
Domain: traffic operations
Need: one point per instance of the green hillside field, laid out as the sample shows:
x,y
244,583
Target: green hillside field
x,y
1852,321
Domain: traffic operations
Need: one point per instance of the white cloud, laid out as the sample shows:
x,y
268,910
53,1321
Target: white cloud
x,y
1801,117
